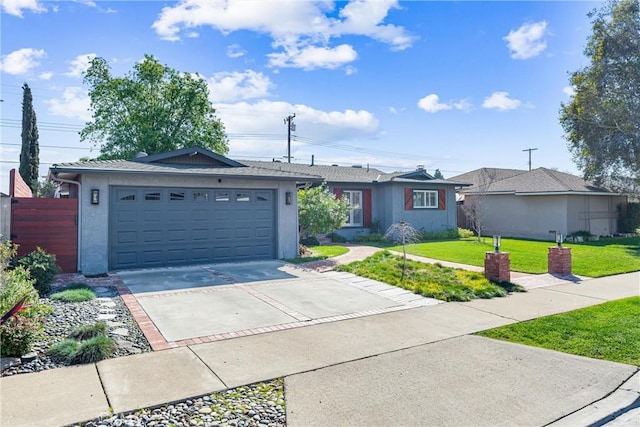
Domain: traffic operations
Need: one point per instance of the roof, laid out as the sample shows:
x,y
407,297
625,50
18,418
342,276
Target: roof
x,y
537,181
194,161
197,161
354,174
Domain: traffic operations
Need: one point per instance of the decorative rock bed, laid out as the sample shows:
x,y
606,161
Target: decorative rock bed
x,y
107,307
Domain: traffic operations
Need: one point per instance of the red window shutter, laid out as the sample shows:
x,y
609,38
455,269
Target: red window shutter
x,y
442,199
338,192
408,199
366,195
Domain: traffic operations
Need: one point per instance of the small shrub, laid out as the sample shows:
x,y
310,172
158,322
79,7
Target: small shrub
x,y
76,285
64,350
85,332
310,241
74,295
42,267
18,335
586,235
337,238
373,237
448,234
94,350
464,233
20,331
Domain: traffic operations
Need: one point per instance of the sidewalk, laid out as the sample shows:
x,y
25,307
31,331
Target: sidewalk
x,y
389,369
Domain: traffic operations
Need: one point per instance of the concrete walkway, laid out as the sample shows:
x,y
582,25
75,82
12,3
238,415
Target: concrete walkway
x,y
411,367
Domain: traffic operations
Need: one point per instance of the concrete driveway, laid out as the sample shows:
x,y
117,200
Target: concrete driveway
x,y
205,303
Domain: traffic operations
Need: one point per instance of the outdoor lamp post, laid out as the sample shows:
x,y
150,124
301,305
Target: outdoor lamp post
x,y
559,239
496,243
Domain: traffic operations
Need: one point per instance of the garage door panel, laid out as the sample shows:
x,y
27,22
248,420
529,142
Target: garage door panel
x,y
174,236
152,236
124,237
173,226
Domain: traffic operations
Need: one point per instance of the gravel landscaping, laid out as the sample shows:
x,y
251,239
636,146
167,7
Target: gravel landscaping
x,y
260,404
108,307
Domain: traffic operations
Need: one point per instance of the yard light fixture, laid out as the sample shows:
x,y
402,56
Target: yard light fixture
x,y
95,196
288,198
496,243
559,239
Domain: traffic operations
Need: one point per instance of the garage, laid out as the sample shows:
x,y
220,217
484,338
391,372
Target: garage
x,y
160,226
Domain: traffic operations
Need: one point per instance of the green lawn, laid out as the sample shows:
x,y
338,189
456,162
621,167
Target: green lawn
x,y
591,259
429,280
607,331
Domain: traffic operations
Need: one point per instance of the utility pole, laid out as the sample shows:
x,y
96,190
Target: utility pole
x,y
530,150
290,127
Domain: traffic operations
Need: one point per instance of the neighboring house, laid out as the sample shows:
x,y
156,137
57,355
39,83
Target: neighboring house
x,y
379,199
533,204
183,207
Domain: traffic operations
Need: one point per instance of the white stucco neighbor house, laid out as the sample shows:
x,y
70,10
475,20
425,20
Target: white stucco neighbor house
x,y
182,207
533,204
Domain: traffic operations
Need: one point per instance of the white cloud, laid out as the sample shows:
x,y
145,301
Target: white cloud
x,y
47,75
74,104
312,57
263,119
235,51
568,90
21,61
431,104
235,86
80,64
15,7
299,27
527,41
501,101
349,70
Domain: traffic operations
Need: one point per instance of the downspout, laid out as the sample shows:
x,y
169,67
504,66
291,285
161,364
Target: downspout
x,y
68,181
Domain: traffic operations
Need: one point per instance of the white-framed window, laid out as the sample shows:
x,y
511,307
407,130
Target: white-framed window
x,y
354,217
425,199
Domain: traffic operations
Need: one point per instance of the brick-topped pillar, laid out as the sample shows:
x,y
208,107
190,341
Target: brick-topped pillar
x,y
559,261
497,266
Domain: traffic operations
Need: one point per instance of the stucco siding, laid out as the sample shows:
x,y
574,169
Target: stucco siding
x,y
524,216
595,214
94,219
423,219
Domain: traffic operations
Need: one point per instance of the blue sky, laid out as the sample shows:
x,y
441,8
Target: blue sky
x,y
448,85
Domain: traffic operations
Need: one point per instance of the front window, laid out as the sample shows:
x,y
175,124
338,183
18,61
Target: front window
x,y
354,200
425,199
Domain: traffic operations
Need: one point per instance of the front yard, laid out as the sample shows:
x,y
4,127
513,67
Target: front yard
x,y
591,259
429,280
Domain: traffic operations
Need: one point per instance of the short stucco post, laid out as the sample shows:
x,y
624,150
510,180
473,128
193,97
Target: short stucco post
x,y
497,266
559,261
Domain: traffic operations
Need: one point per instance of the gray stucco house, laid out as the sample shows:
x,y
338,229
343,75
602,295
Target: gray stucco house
x,y
531,204
195,206
183,207
379,199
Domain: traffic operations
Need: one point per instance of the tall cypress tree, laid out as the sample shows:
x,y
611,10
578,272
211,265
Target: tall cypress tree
x,y
29,156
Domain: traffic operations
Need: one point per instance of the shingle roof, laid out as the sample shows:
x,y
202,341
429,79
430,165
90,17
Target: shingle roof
x,y
540,180
127,166
345,174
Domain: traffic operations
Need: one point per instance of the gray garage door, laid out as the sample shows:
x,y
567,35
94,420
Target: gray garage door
x,y
175,226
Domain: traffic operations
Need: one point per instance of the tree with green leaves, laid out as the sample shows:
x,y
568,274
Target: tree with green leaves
x,y
319,211
29,155
601,122
153,109
438,175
